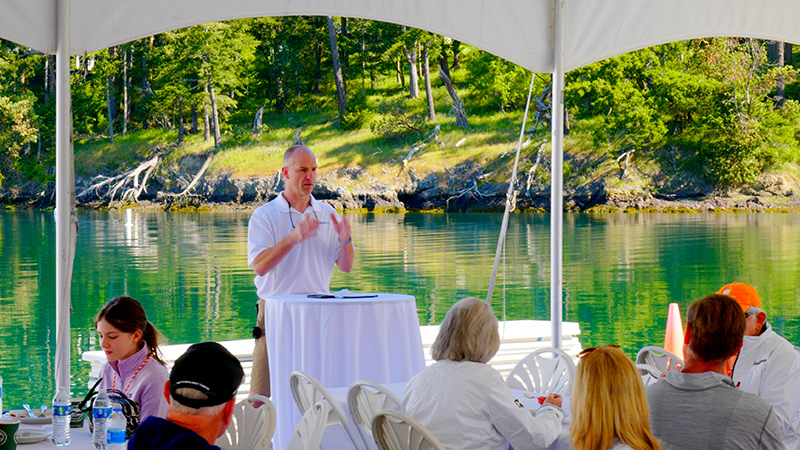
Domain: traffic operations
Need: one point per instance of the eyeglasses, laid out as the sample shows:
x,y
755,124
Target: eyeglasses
x,y
292,220
586,351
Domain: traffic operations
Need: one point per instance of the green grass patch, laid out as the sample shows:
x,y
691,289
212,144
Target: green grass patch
x,y
95,157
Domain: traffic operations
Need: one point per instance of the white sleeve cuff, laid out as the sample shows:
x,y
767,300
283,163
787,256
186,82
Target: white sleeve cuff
x,y
545,408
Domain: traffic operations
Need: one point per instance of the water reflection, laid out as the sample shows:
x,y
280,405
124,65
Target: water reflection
x,y
190,272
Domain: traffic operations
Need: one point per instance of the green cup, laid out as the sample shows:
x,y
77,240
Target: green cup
x,y
76,418
8,434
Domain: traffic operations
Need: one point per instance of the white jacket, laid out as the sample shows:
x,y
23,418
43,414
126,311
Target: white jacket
x,y
769,366
466,405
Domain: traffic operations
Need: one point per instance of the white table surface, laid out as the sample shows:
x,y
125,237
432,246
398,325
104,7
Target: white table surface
x,y
338,341
80,438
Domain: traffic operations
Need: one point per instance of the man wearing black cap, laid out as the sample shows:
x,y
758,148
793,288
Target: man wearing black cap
x,y
201,393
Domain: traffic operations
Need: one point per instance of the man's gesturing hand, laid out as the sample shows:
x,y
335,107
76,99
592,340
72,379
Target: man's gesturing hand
x,y
305,229
342,228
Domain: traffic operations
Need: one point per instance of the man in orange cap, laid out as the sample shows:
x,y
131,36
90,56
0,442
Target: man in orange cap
x,y
767,365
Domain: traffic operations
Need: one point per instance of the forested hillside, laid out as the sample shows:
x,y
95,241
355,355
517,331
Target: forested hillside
x,y
379,100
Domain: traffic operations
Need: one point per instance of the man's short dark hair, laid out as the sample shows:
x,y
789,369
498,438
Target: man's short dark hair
x,y
717,327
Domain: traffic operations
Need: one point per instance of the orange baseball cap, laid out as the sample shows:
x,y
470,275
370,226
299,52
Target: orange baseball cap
x,y
744,294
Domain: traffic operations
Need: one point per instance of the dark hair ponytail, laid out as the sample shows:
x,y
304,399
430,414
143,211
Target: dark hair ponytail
x,y
150,337
127,315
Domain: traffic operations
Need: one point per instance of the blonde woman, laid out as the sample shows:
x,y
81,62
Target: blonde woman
x,y
464,401
609,404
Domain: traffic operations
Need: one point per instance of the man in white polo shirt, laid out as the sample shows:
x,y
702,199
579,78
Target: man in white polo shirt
x,y
293,242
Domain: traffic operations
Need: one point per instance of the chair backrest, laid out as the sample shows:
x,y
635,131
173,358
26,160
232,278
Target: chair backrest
x,y
658,357
650,374
364,400
307,391
251,427
394,430
308,433
544,371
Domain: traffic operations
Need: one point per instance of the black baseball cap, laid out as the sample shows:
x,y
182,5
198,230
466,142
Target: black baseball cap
x,y
209,368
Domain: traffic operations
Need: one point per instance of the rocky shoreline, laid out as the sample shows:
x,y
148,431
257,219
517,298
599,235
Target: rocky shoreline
x,y
429,194
454,190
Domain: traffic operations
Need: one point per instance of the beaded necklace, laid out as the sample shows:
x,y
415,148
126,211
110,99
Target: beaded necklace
x,y
114,382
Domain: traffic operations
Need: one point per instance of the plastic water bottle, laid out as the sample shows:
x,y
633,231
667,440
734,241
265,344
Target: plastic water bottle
x,y
116,429
100,413
62,410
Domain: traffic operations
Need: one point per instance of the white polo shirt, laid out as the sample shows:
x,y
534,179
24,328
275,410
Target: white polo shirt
x,y
309,265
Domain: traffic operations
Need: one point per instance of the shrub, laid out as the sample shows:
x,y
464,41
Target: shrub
x,y
396,121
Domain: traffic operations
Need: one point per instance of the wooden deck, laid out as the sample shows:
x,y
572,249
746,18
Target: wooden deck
x,y
517,339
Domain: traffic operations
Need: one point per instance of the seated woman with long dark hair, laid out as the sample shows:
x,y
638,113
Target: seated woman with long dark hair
x,y
464,401
134,367
609,405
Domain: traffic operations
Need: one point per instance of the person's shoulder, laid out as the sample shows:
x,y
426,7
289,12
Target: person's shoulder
x,y
619,445
158,368
266,211
756,406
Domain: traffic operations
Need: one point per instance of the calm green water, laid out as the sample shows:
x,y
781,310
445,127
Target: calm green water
x,y
190,271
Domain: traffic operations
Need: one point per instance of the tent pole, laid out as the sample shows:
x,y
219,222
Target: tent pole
x,y
557,181
63,194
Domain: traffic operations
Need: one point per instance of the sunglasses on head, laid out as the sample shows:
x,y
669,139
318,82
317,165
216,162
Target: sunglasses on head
x,y
586,351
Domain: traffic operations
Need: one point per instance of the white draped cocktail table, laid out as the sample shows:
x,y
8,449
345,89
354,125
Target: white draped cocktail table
x,y
338,341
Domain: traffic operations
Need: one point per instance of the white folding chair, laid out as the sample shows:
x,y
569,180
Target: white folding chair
x,y
364,400
659,358
307,391
251,428
394,430
544,371
650,374
308,433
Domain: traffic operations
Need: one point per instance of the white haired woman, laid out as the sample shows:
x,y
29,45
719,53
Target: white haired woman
x,y
464,401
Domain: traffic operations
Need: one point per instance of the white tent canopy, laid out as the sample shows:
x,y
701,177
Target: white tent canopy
x,y
520,31
544,36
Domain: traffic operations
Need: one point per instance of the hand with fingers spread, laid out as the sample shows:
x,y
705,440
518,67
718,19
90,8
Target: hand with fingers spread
x,y
307,228
342,229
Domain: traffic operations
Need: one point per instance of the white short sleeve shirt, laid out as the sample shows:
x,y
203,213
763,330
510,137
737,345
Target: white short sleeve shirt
x,y
309,265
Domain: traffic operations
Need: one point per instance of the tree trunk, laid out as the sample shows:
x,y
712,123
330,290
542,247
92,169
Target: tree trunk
x,y
258,121
787,54
458,105
775,53
206,121
401,79
780,84
111,101
443,63
413,77
456,47
180,119
214,115
145,121
345,57
428,90
48,77
195,126
125,100
337,70
317,67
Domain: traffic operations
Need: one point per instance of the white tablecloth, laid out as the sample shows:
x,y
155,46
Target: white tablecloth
x,y
335,437
339,341
80,438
